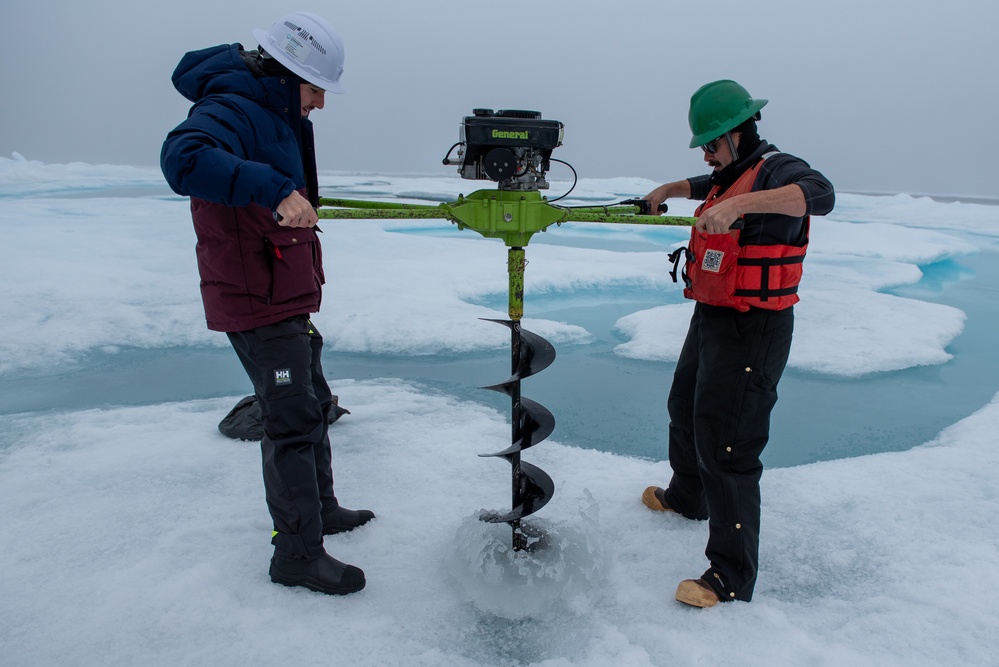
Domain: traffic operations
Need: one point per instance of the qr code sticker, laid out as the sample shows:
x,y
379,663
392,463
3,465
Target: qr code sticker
x,y
712,260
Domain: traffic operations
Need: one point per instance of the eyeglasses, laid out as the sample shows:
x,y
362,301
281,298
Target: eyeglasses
x,y
712,146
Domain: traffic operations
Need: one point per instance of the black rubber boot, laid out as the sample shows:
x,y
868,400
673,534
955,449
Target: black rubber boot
x,y
323,575
341,519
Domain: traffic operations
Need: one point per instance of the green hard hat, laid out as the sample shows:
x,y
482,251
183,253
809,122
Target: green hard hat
x,y
719,107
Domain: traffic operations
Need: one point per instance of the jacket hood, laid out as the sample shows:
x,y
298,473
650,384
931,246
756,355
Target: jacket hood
x,y
216,70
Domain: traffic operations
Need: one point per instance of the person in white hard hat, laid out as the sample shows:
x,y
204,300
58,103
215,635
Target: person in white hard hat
x,y
246,158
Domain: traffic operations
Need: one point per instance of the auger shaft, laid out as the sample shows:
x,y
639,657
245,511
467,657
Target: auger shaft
x,y
516,263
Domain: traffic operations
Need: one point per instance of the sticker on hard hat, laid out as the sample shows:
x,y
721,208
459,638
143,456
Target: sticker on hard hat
x,y
296,48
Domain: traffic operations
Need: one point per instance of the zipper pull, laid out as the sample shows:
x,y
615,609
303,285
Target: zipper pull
x,y
277,250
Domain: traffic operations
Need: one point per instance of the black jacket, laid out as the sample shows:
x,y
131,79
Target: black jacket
x,y
777,171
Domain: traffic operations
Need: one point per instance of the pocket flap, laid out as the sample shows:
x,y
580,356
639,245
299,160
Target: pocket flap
x,y
291,236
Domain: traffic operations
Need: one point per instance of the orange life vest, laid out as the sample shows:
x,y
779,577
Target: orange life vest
x,y
720,272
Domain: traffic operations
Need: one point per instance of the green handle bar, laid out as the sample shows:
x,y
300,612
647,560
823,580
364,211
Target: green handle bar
x,y
513,216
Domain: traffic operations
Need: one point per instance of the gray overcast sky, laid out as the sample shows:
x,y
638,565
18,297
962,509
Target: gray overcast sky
x,y
880,95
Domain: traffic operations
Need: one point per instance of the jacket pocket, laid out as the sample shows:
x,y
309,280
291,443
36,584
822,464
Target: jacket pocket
x,y
292,254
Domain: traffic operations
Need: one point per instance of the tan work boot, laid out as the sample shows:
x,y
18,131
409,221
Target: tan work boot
x,y
655,499
696,593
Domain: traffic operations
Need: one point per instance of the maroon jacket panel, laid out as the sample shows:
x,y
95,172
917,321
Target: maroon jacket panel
x,y
253,271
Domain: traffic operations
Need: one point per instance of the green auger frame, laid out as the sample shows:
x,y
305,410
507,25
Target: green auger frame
x,y
511,215
514,216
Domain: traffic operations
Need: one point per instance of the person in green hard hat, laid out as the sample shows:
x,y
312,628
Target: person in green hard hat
x,y
743,266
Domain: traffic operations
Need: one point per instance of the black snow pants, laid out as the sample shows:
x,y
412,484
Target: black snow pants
x,y
283,362
724,388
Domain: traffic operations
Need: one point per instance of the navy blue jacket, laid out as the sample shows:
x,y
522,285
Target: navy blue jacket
x,y
238,155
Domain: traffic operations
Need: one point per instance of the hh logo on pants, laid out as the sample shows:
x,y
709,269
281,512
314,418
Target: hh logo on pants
x,y
282,376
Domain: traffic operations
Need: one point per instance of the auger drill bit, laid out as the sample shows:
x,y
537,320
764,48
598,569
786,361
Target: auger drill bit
x,y
531,422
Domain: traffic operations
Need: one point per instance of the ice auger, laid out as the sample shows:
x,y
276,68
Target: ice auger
x,y
512,148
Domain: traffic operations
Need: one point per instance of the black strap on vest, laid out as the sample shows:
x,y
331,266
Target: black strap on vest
x,y
674,258
764,293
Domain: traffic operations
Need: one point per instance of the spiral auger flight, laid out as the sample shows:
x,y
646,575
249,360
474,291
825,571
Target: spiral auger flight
x,y
531,422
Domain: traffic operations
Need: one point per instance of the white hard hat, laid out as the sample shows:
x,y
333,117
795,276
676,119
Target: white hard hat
x,y
308,46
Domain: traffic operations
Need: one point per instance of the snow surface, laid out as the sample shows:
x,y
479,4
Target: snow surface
x,y
139,535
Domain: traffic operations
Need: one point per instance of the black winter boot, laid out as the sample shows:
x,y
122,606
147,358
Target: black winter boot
x,y
341,519
324,574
